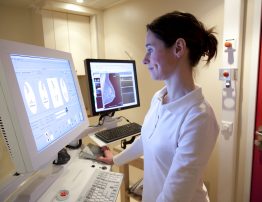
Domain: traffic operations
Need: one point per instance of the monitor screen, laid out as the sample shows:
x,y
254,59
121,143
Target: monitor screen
x,y
112,85
49,95
41,105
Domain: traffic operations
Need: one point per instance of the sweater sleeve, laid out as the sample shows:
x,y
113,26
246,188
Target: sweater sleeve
x,y
196,142
134,151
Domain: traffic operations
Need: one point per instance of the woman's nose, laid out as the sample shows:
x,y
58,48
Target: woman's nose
x,y
145,60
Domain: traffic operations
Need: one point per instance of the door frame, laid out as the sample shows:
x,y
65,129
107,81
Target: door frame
x,y
251,100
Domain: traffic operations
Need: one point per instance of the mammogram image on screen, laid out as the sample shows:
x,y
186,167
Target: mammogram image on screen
x,y
113,89
108,90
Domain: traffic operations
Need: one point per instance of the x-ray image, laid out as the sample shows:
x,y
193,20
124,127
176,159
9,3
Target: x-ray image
x,y
108,91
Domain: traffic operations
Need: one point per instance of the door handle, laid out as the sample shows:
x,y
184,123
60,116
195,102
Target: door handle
x,y
258,139
259,133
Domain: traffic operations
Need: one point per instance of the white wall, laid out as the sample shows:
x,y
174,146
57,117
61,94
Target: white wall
x,y
70,33
23,25
124,28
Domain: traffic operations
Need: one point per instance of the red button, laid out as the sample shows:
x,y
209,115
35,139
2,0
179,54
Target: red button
x,y
226,74
228,44
62,195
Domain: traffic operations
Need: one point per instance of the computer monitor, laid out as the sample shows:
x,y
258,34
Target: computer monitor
x,y
41,107
112,85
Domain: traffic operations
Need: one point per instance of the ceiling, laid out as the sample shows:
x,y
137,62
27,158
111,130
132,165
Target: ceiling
x,y
94,4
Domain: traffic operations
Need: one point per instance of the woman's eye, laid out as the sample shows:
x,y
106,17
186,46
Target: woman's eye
x,y
149,50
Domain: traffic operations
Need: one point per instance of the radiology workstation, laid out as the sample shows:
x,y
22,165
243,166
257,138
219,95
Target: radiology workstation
x,y
43,119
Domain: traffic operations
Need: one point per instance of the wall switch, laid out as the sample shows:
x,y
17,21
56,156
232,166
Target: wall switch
x,y
227,127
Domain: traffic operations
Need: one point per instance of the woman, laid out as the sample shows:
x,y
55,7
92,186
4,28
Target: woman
x,y
180,129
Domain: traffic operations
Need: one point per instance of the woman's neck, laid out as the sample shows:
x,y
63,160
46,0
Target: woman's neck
x,y
179,84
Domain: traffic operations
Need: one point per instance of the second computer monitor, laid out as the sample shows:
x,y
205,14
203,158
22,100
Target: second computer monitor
x,y
112,85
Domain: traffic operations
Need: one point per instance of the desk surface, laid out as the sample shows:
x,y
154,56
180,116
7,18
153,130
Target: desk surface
x,y
73,177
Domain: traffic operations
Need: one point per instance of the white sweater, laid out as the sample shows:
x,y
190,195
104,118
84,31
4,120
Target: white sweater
x,y
176,140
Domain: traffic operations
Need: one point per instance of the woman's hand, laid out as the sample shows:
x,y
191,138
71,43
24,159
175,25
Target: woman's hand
x,y
108,156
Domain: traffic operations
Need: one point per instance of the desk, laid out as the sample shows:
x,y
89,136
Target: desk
x,y
138,163
46,184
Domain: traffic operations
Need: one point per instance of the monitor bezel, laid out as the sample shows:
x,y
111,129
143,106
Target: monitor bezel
x,y
91,101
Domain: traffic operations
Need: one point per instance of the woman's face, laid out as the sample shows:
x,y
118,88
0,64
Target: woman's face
x,y
159,59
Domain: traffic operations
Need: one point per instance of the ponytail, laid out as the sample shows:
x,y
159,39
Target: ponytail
x,y
210,45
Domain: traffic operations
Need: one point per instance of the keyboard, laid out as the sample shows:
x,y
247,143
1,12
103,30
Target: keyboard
x,y
119,132
103,186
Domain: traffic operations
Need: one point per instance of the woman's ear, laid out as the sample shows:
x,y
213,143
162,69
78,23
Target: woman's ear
x,y
179,47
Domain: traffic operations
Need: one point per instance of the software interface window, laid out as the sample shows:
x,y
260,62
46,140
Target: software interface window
x,y
49,95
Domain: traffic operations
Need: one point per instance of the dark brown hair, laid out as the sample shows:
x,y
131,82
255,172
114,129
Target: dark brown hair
x,y
200,42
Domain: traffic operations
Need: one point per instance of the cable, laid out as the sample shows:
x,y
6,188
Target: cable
x,y
123,118
101,119
125,142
